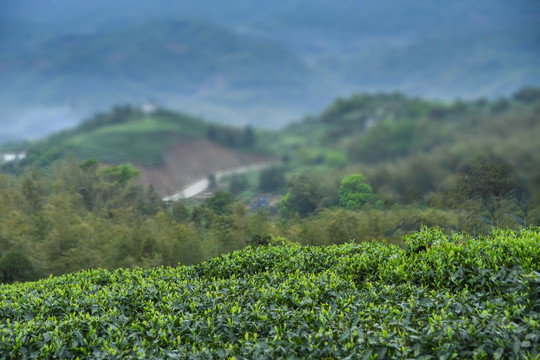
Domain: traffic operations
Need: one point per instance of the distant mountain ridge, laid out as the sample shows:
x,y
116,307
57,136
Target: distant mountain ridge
x,y
254,62
151,59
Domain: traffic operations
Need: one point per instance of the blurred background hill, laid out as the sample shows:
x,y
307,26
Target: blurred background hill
x,y
147,133
251,62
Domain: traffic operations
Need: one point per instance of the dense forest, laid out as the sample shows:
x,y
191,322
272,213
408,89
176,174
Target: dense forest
x,y
369,167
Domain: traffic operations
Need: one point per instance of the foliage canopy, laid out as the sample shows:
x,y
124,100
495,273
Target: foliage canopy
x,y
477,299
355,192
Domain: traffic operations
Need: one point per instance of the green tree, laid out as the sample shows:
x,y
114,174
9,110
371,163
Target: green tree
x,y
89,165
496,186
272,179
258,228
212,181
120,173
32,194
239,183
16,266
386,140
180,212
336,160
65,234
303,198
355,192
339,225
248,136
70,176
220,203
487,194
492,179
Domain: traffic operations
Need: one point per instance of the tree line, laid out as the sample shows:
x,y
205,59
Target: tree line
x,y
84,215
369,167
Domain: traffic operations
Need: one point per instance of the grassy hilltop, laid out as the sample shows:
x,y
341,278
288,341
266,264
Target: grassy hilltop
x,y
171,149
474,299
128,134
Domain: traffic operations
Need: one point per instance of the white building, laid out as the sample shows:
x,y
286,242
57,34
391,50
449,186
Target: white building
x,y
13,157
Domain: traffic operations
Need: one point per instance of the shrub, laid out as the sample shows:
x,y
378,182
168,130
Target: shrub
x,y
16,266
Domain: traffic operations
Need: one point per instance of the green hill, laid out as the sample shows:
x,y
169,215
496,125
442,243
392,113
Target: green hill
x,y
128,134
124,135
399,141
477,298
171,149
408,148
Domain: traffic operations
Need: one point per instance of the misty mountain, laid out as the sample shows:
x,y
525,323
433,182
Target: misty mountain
x,y
171,61
264,63
169,56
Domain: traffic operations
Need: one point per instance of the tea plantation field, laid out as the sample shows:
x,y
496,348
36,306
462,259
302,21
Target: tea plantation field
x,y
474,299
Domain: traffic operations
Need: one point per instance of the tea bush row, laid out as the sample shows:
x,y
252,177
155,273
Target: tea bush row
x,y
476,298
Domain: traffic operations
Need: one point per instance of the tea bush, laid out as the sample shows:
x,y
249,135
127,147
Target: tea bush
x,y
472,299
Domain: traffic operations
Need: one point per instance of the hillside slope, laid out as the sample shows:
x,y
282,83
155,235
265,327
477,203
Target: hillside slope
x,y
408,145
412,145
477,299
171,149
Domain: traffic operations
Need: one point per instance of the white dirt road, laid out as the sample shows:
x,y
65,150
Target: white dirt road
x,y
202,184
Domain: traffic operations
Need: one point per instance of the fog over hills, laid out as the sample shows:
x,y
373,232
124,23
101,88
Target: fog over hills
x,y
262,63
